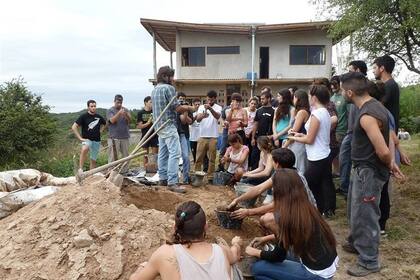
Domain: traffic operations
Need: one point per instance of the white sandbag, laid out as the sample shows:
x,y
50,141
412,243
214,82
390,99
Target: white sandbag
x,y
19,179
50,180
16,200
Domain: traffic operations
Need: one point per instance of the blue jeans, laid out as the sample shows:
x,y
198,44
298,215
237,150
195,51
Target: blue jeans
x,y
345,163
168,158
185,153
264,270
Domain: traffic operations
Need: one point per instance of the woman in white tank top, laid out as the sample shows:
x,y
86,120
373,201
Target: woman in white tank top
x,y
188,256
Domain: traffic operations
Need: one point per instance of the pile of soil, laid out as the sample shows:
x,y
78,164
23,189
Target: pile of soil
x,y
99,231
81,232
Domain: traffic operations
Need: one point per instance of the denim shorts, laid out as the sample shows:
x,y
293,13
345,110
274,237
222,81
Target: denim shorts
x,y
93,148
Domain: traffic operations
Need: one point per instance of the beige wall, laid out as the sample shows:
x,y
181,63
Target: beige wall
x,y
201,90
235,66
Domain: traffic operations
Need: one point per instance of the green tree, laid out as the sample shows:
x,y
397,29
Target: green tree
x,y
26,128
378,27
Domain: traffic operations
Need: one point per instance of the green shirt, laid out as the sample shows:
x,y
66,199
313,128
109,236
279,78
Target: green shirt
x,y
341,107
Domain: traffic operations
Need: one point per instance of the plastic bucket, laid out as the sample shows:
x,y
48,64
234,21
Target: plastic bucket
x,y
225,219
221,178
199,179
242,188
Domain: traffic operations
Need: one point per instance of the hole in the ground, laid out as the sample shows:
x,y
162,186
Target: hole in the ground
x,y
151,199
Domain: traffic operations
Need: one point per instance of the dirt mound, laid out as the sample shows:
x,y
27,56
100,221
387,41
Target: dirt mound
x,y
86,232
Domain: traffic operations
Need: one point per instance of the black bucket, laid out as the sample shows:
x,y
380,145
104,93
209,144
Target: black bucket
x,y
225,219
221,178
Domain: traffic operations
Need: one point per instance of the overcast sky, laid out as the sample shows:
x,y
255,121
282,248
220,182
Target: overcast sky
x,y
72,51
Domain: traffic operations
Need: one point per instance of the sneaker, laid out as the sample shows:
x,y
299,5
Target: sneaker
x,y
268,199
359,271
383,234
177,188
349,248
163,183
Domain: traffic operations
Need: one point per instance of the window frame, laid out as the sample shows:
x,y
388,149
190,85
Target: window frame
x,y
307,57
238,48
204,56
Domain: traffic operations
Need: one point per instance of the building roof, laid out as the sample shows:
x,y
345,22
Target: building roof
x,y
165,31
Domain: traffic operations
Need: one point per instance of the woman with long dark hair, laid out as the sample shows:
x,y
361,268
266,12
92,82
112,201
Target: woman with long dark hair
x,y
317,144
282,117
301,103
301,230
188,256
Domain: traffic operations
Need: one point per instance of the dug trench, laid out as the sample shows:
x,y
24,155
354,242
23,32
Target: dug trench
x,y
209,197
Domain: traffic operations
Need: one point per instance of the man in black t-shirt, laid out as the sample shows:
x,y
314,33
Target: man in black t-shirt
x,y
92,125
144,122
382,69
263,124
183,122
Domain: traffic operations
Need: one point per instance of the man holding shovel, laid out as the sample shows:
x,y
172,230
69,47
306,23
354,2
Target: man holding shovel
x,y
169,145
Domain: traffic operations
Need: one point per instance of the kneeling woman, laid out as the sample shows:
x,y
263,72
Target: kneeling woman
x,y
301,230
237,157
189,256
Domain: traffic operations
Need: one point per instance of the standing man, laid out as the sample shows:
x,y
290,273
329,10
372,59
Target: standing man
x,y
169,145
382,69
144,122
208,115
183,122
341,108
372,162
92,125
195,129
119,129
263,124
345,147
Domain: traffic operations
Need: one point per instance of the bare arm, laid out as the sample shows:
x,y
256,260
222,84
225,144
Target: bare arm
x,y
144,125
185,119
254,132
115,117
183,108
371,127
253,192
75,128
310,137
215,114
334,122
151,269
265,172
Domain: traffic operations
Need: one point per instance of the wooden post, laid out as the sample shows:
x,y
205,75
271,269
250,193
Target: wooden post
x,y
154,57
170,56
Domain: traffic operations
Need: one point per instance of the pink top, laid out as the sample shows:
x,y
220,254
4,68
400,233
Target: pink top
x,y
234,125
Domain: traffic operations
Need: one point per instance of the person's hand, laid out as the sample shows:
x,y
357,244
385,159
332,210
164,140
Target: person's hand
x,y
396,172
82,139
290,132
237,241
253,142
232,204
296,134
251,251
240,214
257,242
405,159
207,106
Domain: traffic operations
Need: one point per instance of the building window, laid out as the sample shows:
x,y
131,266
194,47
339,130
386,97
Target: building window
x,y
223,50
193,56
307,55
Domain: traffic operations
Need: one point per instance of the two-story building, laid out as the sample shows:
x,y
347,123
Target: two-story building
x,y
223,57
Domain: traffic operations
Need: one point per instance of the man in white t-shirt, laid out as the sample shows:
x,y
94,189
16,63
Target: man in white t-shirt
x,y
208,116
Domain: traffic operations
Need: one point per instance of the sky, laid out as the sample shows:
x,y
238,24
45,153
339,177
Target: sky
x,y
72,51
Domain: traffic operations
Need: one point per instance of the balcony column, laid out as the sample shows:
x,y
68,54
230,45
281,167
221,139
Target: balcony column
x,y
154,57
170,57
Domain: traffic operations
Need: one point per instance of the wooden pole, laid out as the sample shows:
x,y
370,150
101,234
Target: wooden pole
x,y
154,57
170,55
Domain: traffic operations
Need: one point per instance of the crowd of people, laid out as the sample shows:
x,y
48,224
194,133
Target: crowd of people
x,y
289,148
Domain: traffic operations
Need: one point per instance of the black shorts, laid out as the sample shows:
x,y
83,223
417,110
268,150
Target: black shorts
x,y
154,143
